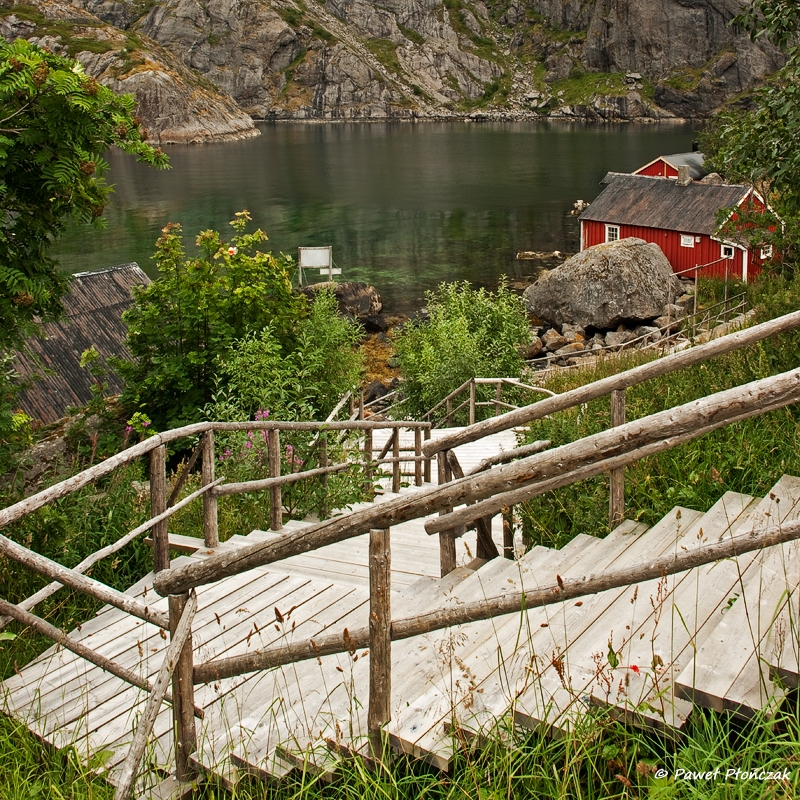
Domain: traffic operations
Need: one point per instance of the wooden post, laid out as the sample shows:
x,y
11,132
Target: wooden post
x,y
427,470
498,394
396,461
508,532
183,694
369,488
323,462
275,502
210,518
447,539
380,638
448,407
472,401
486,548
417,456
158,505
616,498
361,404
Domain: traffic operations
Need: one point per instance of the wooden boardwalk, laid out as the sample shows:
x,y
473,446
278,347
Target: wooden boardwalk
x,y
713,635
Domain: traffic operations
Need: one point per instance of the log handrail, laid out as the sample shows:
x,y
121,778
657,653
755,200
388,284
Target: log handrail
x,y
695,417
99,555
510,603
621,380
63,488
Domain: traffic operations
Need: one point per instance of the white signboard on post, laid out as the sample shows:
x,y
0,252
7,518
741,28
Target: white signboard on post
x,y
320,258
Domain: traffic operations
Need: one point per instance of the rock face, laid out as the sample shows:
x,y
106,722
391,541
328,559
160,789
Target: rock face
x,y
604,286
172,102
201,67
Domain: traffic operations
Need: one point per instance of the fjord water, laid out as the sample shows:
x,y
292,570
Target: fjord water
x,y
405,206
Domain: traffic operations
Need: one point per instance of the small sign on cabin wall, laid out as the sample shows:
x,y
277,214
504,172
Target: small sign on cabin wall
x,y
320,258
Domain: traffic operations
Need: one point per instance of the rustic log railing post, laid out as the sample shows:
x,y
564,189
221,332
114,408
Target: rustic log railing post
x,y
275,501
361,404
323,462
417,456
158,505
396,461
498,395
447,539
183,694
486,548
369,487
472,401
448,407
616,497
210,517
508,532
380,638
427,471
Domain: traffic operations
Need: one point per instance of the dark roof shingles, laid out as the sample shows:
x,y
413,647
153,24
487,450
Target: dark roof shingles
x,y
93,309
660,203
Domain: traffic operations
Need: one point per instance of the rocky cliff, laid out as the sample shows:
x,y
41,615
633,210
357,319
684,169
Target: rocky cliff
x,y
204,68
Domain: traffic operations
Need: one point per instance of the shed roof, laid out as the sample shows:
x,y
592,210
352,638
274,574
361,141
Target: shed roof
x,y
93,316
658,203
695,162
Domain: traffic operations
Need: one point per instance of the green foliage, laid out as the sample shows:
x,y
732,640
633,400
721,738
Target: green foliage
x,y
192,313
471,333
385,50
301,382
760,146
55,124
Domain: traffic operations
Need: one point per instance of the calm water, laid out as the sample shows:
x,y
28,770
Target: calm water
x,y
404,206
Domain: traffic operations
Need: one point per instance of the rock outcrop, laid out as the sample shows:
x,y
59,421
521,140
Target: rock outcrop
x,y
174,104
604,286
200,68
356,299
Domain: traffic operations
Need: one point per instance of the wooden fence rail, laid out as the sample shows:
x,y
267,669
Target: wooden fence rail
x,y
513,602
691,419
621,380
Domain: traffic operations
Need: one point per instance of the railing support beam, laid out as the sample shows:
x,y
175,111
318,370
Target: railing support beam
x,y
616,497
275,499
158,505
210,501
380,639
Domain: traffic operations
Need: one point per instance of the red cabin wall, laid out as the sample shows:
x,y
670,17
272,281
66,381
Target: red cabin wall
x,y
658,169
705,251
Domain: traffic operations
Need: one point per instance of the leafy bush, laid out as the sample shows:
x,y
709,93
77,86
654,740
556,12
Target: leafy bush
x,y
470,334
300,381
186,319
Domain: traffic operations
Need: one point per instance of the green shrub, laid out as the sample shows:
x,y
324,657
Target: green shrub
x,y
194,311
470,334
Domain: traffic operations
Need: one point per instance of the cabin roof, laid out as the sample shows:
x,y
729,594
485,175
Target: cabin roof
x,y
657,203
695,162
93,310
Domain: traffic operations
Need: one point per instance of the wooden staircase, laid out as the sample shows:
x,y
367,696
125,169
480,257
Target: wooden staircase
x,y
715,636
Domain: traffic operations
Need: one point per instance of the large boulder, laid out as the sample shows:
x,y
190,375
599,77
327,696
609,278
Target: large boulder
x,y
603,286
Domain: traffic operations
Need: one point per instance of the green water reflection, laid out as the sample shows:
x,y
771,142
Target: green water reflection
x,y
404,206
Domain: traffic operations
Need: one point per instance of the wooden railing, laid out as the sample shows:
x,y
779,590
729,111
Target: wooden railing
x,y
460,500
472,403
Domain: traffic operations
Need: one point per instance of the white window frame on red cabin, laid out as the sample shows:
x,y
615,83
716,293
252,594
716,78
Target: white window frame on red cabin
x,y
766,252
727,251
612,233
687,240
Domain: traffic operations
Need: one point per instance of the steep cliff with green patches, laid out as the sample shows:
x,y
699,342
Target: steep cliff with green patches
x,y
203,68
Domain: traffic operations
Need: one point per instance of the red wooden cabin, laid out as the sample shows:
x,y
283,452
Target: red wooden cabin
x,y
680,217
667,166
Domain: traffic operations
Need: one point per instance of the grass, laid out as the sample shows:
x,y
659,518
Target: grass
x,y
581,88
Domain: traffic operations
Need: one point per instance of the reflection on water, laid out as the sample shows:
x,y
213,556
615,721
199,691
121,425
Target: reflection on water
x,y
404,206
